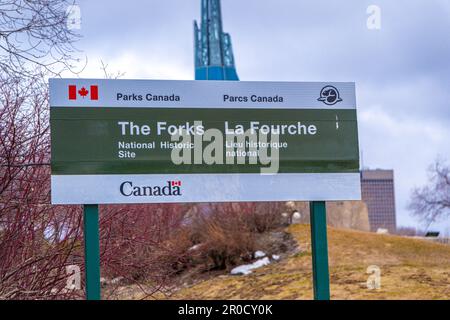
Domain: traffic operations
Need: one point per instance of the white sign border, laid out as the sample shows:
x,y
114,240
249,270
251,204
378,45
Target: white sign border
x,y
105,189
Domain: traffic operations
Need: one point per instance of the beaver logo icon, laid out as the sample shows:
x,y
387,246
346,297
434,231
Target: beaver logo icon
x,y
329,95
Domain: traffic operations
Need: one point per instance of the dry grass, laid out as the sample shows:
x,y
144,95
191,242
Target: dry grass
x,y
410,269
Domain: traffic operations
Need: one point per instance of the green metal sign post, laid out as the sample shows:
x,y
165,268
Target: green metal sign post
x,y
92,252
319,247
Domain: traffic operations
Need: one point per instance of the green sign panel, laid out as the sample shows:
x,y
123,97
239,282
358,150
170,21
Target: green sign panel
x,y
131,141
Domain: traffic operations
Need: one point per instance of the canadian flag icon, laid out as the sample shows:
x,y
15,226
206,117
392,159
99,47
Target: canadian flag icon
x,y
74,92
176,183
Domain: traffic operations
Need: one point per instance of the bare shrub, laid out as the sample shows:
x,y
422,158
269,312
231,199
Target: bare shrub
x,y
226,233
134,240
266,216
227,240
37,241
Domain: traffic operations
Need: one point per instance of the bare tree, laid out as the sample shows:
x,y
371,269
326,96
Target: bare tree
x,y
432,202
35,37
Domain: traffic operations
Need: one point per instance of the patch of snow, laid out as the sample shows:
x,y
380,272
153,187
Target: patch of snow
x,y
290,204
247,268
259,254
194,247
296,217
275,257
116,280
382,231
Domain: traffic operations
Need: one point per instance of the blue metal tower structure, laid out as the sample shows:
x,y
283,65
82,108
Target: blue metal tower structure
x,y
214,59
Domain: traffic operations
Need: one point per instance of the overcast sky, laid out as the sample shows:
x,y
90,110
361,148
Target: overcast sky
x,y
402,71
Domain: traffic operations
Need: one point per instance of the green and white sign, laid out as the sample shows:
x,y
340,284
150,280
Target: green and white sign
x,y
145,141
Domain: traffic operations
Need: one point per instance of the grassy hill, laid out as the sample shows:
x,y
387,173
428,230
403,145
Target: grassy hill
x,y
410,269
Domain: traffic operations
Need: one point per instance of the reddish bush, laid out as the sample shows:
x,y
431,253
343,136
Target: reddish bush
x,y
134,240
266,216
38,241
226,232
